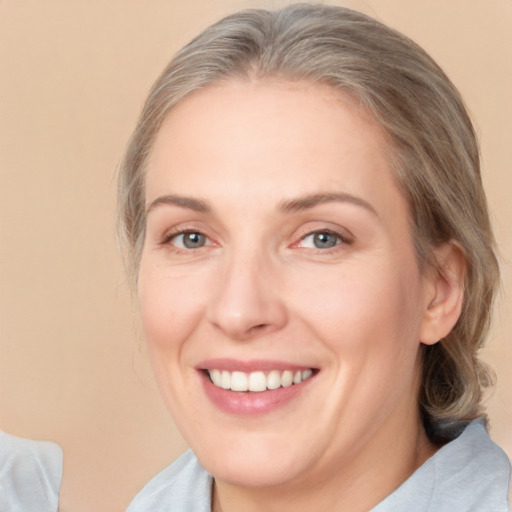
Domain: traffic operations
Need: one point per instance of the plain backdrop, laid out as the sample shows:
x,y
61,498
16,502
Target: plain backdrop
x,y
73,76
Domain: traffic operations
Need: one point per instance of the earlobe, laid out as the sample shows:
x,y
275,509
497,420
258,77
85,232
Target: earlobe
x,y
444,293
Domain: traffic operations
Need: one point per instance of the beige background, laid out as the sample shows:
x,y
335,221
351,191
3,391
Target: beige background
x,y
73,75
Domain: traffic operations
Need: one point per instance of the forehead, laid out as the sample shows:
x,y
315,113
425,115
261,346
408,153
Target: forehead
x,y
289,138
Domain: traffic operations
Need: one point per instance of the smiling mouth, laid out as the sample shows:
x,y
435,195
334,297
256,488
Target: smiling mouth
x,y
258,381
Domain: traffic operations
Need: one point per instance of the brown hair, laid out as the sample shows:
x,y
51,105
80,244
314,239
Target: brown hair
x,y
435,153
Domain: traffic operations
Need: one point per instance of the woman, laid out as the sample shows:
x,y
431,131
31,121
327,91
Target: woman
x,y
306,228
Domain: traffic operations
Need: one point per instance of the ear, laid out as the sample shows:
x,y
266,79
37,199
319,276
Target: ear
x,y
444,295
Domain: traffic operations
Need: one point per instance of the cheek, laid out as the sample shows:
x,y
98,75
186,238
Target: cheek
x,y
169,307
169,311
370,324
368,319
355,302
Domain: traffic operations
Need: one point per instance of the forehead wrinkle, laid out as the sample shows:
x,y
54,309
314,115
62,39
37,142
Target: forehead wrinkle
x,y
310,201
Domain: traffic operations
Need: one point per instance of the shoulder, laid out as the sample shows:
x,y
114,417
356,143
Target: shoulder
x,y
30,474
470,473
471,470
181,487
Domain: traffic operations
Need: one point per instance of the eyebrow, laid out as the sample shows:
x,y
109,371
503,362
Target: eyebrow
x,y
288,206
189,203
310,201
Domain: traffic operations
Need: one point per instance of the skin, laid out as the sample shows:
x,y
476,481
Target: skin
x,y
259,287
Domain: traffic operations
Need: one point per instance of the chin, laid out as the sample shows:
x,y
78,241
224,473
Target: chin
x,y
254,464
253,473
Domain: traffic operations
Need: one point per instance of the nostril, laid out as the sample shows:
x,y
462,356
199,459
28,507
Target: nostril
x,y
259,328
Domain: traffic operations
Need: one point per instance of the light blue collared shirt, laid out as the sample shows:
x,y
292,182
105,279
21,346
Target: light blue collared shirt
x,y
30,475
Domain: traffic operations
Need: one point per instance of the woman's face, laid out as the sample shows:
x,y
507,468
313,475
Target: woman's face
x,y
278,258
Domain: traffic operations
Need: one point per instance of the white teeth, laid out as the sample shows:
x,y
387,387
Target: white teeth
x,y
215,375
257,381
239,381
306,374
274,380
287,379
225,380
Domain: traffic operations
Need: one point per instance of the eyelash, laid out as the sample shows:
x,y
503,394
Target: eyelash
x,y
169,237
341,239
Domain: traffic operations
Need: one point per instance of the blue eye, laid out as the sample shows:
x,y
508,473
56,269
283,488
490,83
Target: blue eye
x,y
189,240
321,240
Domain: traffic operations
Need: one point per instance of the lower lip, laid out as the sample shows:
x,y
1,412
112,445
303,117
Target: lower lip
x,y
251,403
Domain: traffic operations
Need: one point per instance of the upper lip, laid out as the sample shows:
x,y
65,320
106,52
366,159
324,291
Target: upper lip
x,y
264,365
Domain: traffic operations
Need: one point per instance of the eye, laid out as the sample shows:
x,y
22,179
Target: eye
x,y
188,240
321,240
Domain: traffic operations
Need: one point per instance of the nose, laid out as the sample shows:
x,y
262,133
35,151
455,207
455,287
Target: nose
x,y
247,302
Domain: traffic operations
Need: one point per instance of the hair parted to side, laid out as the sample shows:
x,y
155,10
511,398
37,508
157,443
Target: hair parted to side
x,y
434,153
